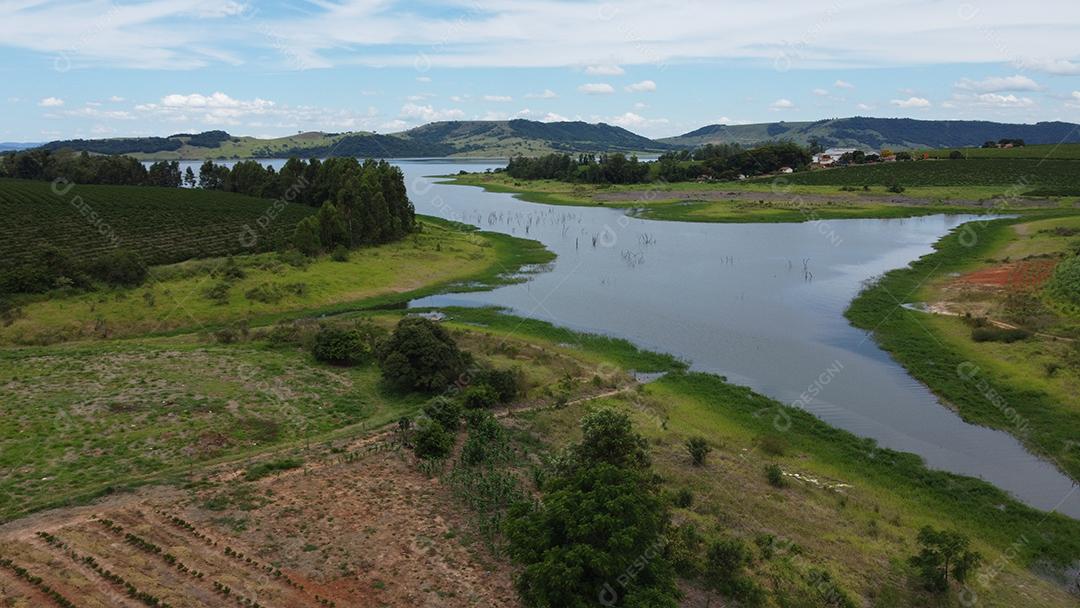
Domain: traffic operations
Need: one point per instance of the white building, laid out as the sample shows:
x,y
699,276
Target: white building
x,y
832,155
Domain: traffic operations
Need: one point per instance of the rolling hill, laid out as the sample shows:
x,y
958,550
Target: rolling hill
x,y
877,133
453,138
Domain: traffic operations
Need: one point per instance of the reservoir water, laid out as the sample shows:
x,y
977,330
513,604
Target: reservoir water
x,y
761,304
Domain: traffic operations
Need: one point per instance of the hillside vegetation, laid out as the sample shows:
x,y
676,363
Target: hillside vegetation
x,y
876,133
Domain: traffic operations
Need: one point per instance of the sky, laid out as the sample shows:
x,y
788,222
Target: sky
x,y
99,68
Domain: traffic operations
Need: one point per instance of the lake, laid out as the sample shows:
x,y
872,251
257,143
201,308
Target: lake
x,y
761,304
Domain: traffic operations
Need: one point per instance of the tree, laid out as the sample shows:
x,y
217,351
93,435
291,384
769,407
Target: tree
x,y
943,553
189,178
608,436
341,346
306,236
592,528
121,267
445,411
421,355
332,228
698,448
956,155
431,439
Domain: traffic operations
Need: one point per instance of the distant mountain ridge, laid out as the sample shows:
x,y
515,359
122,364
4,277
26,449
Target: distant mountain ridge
x,y
876,133
452,138
501,139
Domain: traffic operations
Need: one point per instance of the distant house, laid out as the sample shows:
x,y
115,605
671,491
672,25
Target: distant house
x,y
831,155
786,170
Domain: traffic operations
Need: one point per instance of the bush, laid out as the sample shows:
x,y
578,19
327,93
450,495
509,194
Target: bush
x,y
725,562
218,293
775,476
684,498
773,445
698,448
445,411
120,267
421,355
479,397
431,439
340,254
337,346
944,553
506,383
999,334
487,440
608,436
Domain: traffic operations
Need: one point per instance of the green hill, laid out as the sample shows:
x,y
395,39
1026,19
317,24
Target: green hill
x,y
877,133
496,139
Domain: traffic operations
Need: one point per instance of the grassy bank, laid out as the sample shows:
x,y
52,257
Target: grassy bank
x,y
972,378
768,200
256,289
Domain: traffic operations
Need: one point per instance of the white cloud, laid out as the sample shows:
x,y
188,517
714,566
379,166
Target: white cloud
x,y
821,92
999,84
545,94
645,86
116,99
641,105
428,113
423,79
604,70
842,84
1004,101
553,117
864,107
782,104
912,102
215,100
597,88
630,120
1057,67
498,98
51,102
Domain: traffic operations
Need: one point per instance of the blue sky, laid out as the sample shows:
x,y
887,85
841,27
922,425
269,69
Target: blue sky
x,y
95,68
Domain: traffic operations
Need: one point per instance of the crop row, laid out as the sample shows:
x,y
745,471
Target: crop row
x,y
37,582
89,561
1022,174
163,225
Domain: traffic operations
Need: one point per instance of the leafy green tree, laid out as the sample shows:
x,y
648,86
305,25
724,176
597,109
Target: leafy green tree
x,y
340,346
119,267
445,411
944,553
189,178
597,538
306,236
431,439
608,436
421,355
332,228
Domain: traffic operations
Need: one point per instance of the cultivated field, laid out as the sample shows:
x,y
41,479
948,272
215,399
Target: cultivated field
x,y
162,225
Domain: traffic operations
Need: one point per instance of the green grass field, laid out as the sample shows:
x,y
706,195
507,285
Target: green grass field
x,y
1019,175
442,256
1035,151
162,225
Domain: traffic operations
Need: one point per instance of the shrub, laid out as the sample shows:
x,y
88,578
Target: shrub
x,y
698,448
775,476
944,553
608,436
479,397
218,293
445,411
340,254
421,355
725,563
121,267
1065,284
338,346
346,345
505,383
684,498
487,440
998,334
263,469
431,439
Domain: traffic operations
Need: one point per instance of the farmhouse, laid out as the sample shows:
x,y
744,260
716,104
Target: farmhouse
x,y
831,155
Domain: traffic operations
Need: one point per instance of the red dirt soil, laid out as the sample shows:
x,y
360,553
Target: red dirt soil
x,y
1027,274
